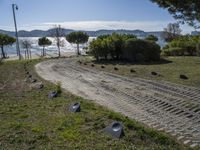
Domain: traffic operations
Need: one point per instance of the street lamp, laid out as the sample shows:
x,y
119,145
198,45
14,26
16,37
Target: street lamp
x,y
15,7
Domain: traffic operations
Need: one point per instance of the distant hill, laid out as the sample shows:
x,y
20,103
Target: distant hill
x,y
41,33
195,33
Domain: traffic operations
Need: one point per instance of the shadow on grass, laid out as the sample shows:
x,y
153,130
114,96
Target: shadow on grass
x,y
125,62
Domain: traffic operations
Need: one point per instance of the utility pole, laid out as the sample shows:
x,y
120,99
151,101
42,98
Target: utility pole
x,y
14,6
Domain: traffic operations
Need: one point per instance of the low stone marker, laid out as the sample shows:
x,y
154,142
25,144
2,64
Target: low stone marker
x,y
53,94
115,129
116,69
184,77
132,71
75,107
33,80
40,86
154,73
102,67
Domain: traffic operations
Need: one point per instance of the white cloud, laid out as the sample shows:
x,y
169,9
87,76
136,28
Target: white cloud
x,y
97,25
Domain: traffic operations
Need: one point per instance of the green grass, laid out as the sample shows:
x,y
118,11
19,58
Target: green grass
x,y
29,120
169,70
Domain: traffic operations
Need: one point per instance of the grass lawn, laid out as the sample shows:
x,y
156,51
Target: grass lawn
x,y
169,70
29,120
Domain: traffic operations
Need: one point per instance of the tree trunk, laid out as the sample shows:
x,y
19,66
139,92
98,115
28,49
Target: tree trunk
x,y
30,54
2,52
59,51
78,53
43,52
27,53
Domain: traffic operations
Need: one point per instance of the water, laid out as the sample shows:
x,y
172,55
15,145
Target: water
x,y
36,49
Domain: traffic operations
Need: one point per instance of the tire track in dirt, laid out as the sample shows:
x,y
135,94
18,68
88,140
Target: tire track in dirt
x,y
161,105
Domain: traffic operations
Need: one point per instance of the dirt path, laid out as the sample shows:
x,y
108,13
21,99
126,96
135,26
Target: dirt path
x,y
164,106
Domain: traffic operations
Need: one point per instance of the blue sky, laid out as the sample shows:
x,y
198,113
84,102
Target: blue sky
x,y
86,15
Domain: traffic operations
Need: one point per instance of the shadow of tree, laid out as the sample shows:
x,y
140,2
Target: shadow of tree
x,y
125,62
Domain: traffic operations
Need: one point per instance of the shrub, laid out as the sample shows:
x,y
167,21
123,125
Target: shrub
x,y
141,50
184,45
173,51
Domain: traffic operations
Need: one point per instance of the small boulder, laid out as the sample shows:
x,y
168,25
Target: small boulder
x,y
132,71
33,80
75,107
102,67
115,129
92,65
184,77
154,73
53,94
116,69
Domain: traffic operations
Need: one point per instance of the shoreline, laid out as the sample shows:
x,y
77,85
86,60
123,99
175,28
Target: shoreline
x,y
37,56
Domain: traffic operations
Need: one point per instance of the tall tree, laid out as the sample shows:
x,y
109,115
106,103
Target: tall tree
x,y
77,38
4,41
171,32
44,42
26,44
186,11
58,33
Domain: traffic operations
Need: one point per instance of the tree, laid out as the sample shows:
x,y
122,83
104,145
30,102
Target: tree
x,y
186,11
4,41
171,32
77,38
152,38
141,50
44,42
26,44
58,33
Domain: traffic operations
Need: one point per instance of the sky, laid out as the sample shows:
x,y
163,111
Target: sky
x,y
86,15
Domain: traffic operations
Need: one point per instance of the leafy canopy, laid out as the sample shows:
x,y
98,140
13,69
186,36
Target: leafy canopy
x,y
44,41
77,37
6,40
186,11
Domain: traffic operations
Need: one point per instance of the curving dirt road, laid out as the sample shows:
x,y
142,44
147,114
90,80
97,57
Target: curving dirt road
x,y
162,105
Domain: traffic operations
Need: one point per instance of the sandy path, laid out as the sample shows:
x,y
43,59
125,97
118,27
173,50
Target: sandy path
x,y
164,106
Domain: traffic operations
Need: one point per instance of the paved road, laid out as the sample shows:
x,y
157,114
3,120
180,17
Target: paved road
x,y
172,108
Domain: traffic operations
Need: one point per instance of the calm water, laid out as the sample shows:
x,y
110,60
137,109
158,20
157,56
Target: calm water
x,y
67,47
36,49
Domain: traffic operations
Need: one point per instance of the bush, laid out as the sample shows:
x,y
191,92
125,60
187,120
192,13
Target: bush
x,y
109,45
173,51
184,45
141,50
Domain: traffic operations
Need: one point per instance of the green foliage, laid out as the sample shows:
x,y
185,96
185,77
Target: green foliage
x,y
58,88
183,46
184,10
152,38
44,41
77,38
5,40
173,51
109,46
141,50
50,126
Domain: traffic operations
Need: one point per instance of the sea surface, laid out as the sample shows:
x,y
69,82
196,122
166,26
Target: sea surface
x,y
36,49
